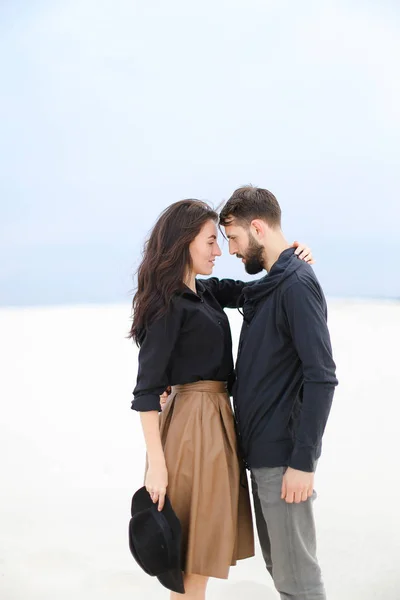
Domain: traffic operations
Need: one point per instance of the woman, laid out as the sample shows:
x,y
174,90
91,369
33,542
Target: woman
x,y
185,342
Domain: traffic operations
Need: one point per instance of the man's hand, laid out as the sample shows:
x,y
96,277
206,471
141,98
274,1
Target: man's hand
x,y
164,397
297,486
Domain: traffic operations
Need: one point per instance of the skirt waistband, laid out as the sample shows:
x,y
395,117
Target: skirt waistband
x,y
211,387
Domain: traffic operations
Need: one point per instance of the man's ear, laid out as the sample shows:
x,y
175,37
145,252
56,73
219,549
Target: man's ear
x,y
258,228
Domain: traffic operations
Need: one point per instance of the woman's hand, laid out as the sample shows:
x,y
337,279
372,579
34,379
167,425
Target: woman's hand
x,y
157,476
157,482
303,252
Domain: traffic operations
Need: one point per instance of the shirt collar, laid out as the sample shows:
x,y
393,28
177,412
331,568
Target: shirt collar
x,y
188,293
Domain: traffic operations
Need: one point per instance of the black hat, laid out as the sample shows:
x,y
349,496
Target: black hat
x,y
155,540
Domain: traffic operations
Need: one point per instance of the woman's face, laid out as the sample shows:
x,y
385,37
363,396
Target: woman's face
x,y
204,249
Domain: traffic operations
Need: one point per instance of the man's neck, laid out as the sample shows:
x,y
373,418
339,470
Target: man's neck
x,y
273,251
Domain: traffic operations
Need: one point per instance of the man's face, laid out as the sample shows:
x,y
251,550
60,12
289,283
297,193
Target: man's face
x,y
245,246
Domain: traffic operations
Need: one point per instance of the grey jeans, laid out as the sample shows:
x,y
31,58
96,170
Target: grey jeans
x,y
287,538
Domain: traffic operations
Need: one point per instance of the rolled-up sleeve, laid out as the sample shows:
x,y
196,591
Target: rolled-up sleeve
x,y
154,360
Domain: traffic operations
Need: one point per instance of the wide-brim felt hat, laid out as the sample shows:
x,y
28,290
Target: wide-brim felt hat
x,y
155,539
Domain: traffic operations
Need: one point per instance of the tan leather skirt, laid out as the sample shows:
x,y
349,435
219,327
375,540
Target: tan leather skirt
x,y
207,484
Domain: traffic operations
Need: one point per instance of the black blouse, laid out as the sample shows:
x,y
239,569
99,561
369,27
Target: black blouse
x,y
192,342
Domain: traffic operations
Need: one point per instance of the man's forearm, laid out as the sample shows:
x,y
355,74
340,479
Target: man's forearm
x,y
316,406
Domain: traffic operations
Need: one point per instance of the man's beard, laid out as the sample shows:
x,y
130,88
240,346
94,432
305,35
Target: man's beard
x,y
254,258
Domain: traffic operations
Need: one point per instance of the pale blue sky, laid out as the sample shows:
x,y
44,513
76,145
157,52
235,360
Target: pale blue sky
x,y
112,110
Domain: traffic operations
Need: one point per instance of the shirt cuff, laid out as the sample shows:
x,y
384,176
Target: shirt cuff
x,y
146,403
303,459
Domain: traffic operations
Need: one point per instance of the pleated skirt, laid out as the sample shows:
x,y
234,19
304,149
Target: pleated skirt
x,y
207,483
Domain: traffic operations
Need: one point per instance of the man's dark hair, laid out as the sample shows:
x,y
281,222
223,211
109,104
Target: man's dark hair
x,y
248,203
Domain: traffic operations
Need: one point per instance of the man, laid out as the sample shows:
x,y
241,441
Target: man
x,y
284,389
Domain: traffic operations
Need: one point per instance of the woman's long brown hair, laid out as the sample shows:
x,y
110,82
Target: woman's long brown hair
x,y
166,260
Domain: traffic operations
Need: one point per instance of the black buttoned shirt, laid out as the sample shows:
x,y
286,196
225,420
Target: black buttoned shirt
x,y
191,342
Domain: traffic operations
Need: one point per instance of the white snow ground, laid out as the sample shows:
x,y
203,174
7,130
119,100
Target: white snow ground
x,y
72,454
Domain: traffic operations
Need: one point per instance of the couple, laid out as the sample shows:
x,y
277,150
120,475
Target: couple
x,y
282,390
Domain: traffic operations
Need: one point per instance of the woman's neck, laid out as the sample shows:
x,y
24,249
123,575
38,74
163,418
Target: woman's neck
x,y
190,281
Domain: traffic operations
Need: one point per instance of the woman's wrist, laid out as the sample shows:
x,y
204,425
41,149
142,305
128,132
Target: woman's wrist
x,y
158,460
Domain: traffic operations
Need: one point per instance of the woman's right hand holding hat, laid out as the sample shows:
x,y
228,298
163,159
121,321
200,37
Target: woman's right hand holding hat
x,y
156,482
